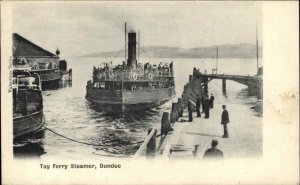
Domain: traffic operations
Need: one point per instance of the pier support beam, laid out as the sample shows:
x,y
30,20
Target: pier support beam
x,y
252,91
224,85
205,88
260,90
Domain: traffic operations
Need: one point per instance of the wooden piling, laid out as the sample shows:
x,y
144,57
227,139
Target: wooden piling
x,y
70,77
195,151
174,113
165,123
151,146
224,85
179,108
172,117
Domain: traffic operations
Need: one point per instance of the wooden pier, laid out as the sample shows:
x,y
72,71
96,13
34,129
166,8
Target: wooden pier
x,y
254,83
178,137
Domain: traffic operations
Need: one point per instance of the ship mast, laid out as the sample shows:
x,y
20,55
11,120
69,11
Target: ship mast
x,y
139,46
256,50
125,42
217,59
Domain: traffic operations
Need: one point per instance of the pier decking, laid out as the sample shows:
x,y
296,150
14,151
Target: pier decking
x,y
192,139
245,136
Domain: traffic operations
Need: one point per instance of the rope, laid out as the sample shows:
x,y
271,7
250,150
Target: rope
x,y
71,138
81,142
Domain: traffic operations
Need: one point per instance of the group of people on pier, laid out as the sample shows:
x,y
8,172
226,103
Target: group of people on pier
x,y
207,104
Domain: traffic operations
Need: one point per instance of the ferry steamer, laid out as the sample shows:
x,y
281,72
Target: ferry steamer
x,y
131,86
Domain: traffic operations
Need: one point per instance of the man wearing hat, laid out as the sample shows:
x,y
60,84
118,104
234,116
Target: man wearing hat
x,y
211,100
225,121
213,152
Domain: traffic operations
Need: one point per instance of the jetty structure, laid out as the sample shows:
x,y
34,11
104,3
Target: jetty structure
x,y
170,141
28,117
30,57
132,85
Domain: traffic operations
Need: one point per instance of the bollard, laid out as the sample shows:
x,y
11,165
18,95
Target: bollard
x,y
196,150
180,108
176,112
165,123
173,113
151,146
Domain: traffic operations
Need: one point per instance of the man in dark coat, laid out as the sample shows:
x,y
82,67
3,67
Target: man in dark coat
x,y
190,110
202,103
211,100
213,152
206,107
225,121
198,107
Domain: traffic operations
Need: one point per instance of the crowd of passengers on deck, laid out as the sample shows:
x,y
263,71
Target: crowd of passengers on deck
x,y
110,72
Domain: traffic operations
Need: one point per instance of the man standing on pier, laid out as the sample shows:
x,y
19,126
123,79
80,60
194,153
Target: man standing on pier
x,y
198,107
206,106
202,103
211,100
225,121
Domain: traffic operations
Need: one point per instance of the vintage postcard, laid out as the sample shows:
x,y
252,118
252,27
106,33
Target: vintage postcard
x,y
149,92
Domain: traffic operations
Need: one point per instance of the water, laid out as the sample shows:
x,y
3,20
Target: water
x,y
69,113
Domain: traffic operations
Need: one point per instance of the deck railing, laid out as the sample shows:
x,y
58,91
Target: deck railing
x,y
131,74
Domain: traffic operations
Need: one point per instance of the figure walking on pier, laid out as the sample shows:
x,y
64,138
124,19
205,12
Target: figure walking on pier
x,y
225,121
211,100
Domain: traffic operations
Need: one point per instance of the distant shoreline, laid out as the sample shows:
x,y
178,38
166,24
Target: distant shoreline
x,y
170,57
243,51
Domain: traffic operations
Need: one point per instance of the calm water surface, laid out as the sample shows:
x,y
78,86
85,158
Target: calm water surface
x,y
68,112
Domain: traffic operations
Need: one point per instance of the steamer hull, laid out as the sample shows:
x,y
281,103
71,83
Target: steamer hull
x,y
50,80
118,101
28,124
28,117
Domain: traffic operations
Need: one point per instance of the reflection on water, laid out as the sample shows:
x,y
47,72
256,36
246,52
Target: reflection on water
x,y
68,113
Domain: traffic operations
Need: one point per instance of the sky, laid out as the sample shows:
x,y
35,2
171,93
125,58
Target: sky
x,y
79,28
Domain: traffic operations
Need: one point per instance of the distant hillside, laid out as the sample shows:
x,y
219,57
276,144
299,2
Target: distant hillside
x,y
225,51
